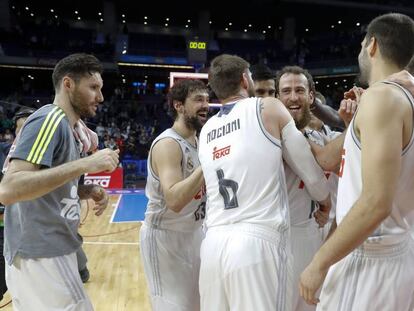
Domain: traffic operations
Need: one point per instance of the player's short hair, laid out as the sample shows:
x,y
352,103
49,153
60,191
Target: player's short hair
x,y
225,74
394,33
76,66
261,72
296,70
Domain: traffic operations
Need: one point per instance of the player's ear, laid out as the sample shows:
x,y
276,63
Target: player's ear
x,y
245,81
311,96
67,83
372,46
178,105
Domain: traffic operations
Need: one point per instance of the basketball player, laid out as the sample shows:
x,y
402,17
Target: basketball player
x,y
39,190
264,81
296,90
306,234
245,256
94,192
372,241
171,234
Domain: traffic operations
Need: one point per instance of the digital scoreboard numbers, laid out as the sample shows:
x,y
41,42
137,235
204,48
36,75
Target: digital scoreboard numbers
x,y
197,45
197,51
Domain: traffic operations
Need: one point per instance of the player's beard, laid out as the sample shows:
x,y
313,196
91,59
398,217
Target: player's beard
x,y
193,122
364,69
79,105
304,120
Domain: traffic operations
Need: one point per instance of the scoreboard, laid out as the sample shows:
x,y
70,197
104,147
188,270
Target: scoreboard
x,y
197,51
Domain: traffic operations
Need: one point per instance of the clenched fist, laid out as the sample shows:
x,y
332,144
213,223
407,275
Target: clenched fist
x,y
105,160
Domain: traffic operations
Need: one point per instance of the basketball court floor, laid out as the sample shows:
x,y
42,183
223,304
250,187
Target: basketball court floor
x,y
111,242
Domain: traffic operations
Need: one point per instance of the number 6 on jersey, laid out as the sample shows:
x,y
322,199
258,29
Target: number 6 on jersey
x,y
224,184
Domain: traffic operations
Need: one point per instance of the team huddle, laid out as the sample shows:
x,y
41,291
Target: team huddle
x,y
293,216
262,206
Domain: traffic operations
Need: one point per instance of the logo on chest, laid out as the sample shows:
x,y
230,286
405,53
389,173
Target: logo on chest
x,y
190,164
219,153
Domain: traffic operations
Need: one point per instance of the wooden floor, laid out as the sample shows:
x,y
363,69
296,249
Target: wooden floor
x,y
117,281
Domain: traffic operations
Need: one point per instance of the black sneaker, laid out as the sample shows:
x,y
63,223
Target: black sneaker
x,y
84,274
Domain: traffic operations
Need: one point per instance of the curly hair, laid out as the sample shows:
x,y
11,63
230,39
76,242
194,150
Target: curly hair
x,y
181,90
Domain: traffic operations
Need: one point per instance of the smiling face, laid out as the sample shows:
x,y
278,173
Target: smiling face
x,y
294,93
196,109
87,95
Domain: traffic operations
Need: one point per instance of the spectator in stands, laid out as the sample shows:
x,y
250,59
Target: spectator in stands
x,y
131,146
8,136
100,129
111,144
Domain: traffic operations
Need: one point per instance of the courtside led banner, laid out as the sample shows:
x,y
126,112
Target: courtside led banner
x,y
114,180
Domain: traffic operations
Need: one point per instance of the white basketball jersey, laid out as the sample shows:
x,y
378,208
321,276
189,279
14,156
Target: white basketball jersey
x,y
301,205
350,187
157,214
242,166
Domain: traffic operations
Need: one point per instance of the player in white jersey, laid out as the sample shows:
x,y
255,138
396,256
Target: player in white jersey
x,y
171,234
295,89
245,256
372,243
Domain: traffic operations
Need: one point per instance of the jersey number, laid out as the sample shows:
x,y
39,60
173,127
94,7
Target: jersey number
x,y
200,212
230,199
313,207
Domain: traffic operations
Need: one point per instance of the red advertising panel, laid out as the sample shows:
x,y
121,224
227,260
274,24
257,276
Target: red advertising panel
x,y
114,180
